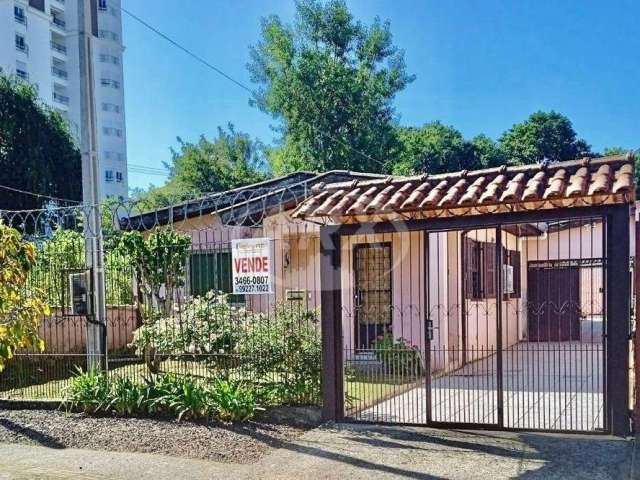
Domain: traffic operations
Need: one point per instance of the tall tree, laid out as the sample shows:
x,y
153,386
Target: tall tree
x,y
231,160
433,148
330,80
543,135
37,152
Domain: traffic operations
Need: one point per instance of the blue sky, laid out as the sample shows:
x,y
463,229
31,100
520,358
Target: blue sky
x,y
480,66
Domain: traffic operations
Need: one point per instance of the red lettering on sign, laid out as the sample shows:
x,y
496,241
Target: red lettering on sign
x,y
251,265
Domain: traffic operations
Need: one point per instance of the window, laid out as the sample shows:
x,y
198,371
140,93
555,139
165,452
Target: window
x,y
108,175
110,131
106,58
108,34
102,5
211,270
110,107
22,74
20,43
119,177
480,271
18,13
106,82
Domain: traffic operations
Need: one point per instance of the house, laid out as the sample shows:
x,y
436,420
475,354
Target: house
x,y
496,298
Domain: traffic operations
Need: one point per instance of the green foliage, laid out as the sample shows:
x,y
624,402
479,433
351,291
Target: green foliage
x,y
21,305
203,325
328,73
66,250
433,148
37,152
284,350
398,356
233,401
543,135
159,261
182,396
87,391
231,160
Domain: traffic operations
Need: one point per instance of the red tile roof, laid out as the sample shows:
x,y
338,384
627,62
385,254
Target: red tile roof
x,y
586,181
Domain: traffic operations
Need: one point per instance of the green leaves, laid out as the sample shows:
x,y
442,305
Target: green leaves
x,y
331,82
183,396
37,151
22,305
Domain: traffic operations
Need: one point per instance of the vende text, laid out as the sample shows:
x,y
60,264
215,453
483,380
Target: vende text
x,y
252,265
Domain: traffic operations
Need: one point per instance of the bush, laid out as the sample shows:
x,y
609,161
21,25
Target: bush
x,y
207,325
182,396
285,353
398,356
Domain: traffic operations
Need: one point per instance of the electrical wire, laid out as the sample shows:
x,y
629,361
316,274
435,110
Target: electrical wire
x,y
239,83
25,192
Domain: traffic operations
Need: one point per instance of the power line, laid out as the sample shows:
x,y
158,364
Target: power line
x,y
239,83
25,192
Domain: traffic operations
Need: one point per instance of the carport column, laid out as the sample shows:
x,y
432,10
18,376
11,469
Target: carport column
x,y
331,324
618,293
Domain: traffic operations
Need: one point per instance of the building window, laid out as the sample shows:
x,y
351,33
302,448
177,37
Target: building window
x,y
110,131
21,44
109,35
18,13
22,74
106,58
102,5
480,271
110,107
108,175
119,177
210,270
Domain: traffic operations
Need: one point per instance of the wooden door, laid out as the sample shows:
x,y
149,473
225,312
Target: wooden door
x,y
553,312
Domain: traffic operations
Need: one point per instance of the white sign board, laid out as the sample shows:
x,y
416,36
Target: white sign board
x,y
252,270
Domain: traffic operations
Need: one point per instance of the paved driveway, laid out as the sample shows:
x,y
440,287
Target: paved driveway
x,y
547,385
354,452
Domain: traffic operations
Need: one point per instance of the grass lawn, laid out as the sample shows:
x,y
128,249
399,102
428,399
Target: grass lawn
x,y
361,394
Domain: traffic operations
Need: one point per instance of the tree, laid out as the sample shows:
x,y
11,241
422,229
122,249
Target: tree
x,y
330,81
433,148
37,153
231,160
543,135
21,305
487,152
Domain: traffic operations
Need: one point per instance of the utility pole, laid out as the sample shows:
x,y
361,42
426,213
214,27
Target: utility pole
x,y
96,320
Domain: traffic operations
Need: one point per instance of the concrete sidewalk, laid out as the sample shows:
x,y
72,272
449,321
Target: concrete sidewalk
x,y
354,452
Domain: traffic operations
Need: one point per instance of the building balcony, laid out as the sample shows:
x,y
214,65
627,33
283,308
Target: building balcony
x,y
63,99
22,75
58,22
21,19
60,3
22,47
58,47
60,73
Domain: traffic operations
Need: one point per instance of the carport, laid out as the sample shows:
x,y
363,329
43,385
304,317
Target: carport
x,y
492,299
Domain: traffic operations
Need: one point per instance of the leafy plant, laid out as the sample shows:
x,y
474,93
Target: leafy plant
x,y
21,305
398,356
87,391
233,401
285,353
126,397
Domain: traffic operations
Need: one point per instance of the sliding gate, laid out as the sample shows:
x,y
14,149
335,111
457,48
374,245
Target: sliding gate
x,y
495,326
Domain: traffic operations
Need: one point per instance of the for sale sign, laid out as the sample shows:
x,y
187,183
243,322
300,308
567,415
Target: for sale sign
x,y
252,271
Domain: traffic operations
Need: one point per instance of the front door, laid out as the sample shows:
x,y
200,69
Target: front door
x,y
372,267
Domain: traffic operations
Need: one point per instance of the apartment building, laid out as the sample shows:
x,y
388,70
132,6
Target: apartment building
x,y
39,44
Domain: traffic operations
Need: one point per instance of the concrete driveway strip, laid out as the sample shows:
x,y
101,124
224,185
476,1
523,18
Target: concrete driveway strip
x,y
354,452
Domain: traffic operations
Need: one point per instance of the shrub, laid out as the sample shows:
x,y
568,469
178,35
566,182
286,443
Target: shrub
x,y
398,356
88,391
207,325
126,397
285,352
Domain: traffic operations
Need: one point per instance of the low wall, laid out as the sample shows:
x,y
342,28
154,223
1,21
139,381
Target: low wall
x,y
67,334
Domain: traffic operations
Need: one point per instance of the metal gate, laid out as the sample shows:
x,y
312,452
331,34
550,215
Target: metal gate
x,y
491,325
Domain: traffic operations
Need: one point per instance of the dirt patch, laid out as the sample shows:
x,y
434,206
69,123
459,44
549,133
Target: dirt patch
x,y
237,443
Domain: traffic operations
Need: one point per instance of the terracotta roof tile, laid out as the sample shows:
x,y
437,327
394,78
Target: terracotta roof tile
x,y
572,183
